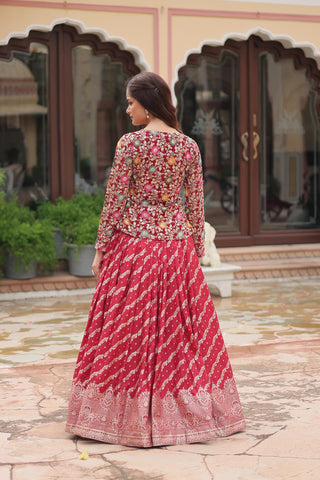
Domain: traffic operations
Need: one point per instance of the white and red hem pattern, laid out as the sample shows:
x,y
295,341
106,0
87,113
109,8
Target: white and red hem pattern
x,y
153,368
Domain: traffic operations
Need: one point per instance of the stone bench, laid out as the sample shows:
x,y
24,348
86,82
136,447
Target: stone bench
x,y
220,278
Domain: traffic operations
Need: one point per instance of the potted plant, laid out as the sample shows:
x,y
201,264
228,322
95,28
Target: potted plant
x,y
81,232
80,237
78,220
26,241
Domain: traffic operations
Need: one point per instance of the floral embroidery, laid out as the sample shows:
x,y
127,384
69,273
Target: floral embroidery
x,y
124,178
162,225
165,197
142,176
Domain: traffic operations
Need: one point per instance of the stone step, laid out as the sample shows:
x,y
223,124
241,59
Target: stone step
x,y
57,281
274,261
270,252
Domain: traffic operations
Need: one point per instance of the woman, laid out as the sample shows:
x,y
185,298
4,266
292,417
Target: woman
x,y
152,368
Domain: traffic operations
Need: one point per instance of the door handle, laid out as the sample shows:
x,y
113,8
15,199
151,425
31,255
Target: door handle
x,y
256,141
244,140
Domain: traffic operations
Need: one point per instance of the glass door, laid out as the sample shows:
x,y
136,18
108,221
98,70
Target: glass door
x,y
62,109
254,107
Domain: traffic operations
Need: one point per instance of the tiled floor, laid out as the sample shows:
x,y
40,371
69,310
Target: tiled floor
x,y
272,331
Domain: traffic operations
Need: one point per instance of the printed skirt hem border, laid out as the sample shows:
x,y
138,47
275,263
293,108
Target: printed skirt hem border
x,y
157,441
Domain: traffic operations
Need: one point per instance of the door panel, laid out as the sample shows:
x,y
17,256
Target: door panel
x,y
24,124
99,115
289,159
208,111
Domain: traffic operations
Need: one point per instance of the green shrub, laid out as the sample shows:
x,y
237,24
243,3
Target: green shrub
x,y
24,236
78,218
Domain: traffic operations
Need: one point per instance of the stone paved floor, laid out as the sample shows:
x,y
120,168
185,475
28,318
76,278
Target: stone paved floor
x,y
272,332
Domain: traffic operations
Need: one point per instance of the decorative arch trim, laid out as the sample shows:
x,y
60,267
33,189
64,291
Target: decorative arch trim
x,y
82,29
286,41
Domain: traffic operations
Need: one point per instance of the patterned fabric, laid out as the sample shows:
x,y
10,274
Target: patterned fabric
x,y
143,194
152,368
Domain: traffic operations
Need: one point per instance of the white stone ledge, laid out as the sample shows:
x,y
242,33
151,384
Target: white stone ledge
x,y
220,278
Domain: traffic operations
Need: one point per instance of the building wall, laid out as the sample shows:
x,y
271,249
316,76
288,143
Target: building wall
x,y
161,34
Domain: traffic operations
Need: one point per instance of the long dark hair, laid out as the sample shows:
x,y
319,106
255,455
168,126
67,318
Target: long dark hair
x,y
154,95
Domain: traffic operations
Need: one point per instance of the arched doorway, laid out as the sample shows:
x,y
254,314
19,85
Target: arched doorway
x,y
62,104
253,107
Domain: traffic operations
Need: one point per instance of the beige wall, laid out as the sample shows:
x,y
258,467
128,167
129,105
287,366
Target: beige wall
x,y
161,34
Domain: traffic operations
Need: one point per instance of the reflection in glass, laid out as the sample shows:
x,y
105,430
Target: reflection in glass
x,y
23,124
208,111
99,115
289,152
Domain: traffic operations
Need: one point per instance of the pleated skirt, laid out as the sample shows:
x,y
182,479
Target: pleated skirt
x,y
152,367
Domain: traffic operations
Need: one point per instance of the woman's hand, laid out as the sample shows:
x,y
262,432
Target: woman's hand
x,y
96,263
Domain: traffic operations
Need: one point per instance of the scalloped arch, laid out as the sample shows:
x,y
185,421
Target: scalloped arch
x,y
81,28
309,49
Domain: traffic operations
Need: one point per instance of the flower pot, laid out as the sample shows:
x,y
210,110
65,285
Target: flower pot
x,y
16,270
80,260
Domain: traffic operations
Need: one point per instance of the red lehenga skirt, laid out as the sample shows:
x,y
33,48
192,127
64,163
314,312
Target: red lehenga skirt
x,y
153,368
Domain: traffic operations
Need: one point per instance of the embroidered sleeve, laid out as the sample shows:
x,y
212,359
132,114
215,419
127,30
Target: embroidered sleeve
x,y
116,195
193,185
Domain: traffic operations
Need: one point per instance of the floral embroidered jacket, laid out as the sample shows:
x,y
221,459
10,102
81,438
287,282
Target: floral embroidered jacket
x,y
143,193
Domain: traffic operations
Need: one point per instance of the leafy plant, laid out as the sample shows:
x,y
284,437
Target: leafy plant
x,y
78,218
29,242
84,231
25,237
